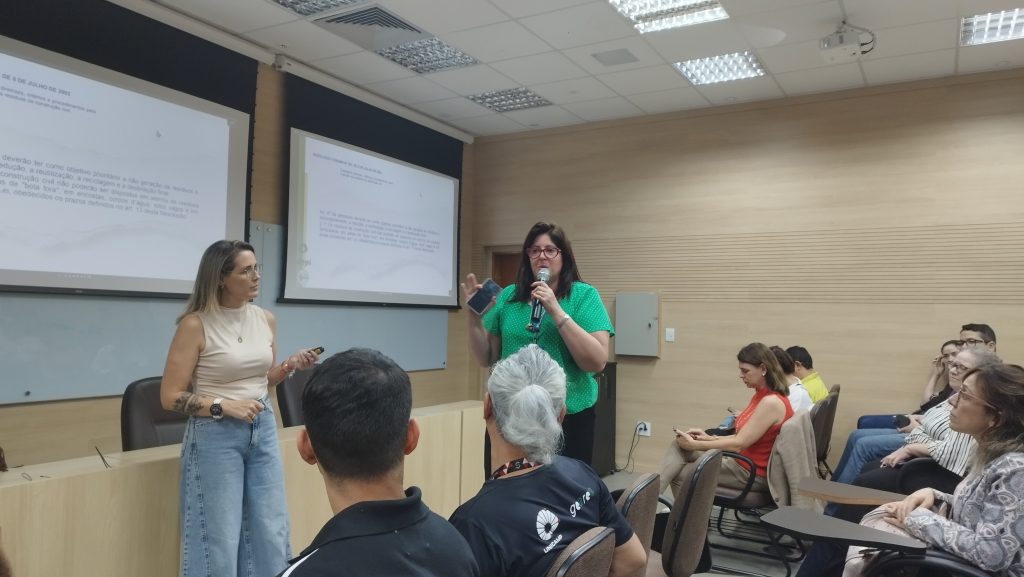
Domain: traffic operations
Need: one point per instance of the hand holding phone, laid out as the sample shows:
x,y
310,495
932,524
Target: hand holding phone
x,y
480,301
319,350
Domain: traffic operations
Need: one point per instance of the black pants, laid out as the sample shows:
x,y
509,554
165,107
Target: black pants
x,y
578,429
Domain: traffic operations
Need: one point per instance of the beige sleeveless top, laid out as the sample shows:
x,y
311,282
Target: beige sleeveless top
x,y
236,358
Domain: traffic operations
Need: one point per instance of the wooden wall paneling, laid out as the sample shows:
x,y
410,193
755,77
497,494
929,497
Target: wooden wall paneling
x,y
866,226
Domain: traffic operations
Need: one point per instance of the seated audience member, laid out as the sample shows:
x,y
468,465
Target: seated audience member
x,y
799,398
983,520
536,502
978,335
804,370
930,438
936,390
757,426
358,430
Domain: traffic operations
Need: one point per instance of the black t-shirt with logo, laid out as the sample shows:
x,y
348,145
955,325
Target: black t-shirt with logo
x,y
517,526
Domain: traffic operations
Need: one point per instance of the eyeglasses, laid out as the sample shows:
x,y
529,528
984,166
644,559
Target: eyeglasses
x,y
960,367
966,394
252,271
549,251
972,342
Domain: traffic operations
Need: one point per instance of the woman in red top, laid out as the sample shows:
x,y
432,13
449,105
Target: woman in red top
x,y
756,427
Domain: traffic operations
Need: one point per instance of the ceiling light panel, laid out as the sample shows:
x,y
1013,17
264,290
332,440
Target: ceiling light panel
x,y
992,27
310,7
654,15
511,99
724,68
427,55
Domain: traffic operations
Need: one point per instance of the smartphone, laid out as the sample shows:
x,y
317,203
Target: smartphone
x,y
319,350
481,299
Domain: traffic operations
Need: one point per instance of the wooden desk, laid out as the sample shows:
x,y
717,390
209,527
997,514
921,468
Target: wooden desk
x,y
813,526
845,494
76,518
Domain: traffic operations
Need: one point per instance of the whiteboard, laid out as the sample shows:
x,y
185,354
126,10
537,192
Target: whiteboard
x,y
66,346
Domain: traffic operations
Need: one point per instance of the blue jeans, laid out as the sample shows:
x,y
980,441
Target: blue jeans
x,y
234,519
862,447
876,422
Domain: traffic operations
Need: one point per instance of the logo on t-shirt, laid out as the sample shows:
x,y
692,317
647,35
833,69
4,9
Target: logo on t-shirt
x,y
547,522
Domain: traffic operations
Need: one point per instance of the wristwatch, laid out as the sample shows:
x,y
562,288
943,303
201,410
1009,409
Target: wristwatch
x,y
561,322
217,411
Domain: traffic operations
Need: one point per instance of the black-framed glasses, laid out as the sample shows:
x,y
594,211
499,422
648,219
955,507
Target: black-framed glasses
x,y
972,342
252,271
534,252
966,393
960,367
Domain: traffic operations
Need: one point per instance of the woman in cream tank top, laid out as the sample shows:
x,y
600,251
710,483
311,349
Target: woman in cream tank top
x,y
219,368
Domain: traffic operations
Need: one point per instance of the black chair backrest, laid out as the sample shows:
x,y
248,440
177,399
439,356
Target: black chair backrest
x,y
144,421
823,417
589,555
289,397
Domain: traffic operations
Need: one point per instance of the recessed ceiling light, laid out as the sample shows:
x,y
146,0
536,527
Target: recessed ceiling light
x,y
510,99
615,57
654,15
427,55
310,7
992,27
735,66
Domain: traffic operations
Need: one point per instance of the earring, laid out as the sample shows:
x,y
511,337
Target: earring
x,y
763,374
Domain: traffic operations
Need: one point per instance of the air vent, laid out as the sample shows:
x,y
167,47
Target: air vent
x,y
374,16
372,27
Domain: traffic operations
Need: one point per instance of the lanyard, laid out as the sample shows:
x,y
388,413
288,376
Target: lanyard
x,y
512,466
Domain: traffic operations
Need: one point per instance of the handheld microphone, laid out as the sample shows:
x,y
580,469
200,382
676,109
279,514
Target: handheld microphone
x,y
538,309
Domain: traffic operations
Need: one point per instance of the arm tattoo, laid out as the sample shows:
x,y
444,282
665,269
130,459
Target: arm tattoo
x,y
188,403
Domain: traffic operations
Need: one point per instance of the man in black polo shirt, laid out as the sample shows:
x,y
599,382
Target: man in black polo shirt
x,y
357,408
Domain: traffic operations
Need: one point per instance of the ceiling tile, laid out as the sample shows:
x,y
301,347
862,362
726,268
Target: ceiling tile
x,y
576,90
440,17
711,39
303,41
828,78
874,14
786,26
472,80
645,55
670,100
995,56
972,7
607,109
644,80
748,89
363,68
496,42
544,117
411,90
743,7
586,24
912,67
539,68
521,8
790,57
234,15
488,125
452,108
915,38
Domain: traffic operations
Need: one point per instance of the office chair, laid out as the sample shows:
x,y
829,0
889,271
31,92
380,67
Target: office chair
x,y
589,555
144,421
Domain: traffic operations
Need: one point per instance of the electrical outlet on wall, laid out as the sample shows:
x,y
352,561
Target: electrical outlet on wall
x,y
643,428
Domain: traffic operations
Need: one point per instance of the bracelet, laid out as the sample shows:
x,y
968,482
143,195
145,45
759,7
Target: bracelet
x,y
565,318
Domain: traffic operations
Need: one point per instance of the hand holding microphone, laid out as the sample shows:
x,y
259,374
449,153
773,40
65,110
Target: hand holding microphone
x,y
537,312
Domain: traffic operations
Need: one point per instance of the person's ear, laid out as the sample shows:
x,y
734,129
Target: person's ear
x,y
412,436
305,447
488,406
561,415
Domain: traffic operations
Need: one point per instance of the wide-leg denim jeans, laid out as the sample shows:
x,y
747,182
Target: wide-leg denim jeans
x,y
234,519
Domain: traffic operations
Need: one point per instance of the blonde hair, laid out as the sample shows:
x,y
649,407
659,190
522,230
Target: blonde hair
x,y
218,261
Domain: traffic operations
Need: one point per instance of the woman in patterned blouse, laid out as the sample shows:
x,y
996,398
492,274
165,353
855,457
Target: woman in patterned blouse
x,y
985,520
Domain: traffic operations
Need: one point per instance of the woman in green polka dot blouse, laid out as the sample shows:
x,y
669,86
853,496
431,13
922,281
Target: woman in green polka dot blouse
x,y
574,328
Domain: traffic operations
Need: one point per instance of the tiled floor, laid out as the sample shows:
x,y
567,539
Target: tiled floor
x,y
721,558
